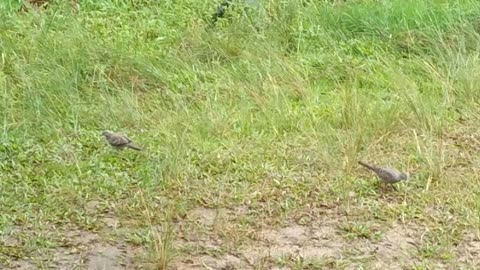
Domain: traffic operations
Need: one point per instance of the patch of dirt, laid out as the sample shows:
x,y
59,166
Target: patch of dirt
x,y
105,256
395,250
292,235
91,207
397,243
83,250
20,265
204,244
94,208
225,262
110,222
298,241
79,238
268,244
204,216
468,250
319,242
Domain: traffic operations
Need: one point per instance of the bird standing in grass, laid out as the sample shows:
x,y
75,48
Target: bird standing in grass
x,y
221,10
387,175
119,141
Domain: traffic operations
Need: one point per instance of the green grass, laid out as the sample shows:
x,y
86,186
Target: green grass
x,y
270,109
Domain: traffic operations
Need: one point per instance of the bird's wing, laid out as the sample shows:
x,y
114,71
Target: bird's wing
x,y
126,138
389,173
119,140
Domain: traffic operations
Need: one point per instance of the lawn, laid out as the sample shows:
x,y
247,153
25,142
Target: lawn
x,y
251,127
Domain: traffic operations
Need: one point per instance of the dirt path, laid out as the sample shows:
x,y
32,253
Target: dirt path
x,y
210,239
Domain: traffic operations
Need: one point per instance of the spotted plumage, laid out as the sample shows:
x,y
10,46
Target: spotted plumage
x,y
387,174
119,141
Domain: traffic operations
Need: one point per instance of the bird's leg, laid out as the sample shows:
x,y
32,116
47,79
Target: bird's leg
x,y
384,186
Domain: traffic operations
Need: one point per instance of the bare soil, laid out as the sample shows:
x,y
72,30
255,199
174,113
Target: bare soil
x,y
202,242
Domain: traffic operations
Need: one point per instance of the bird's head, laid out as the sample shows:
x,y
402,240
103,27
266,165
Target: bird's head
x,y
404,176
105,133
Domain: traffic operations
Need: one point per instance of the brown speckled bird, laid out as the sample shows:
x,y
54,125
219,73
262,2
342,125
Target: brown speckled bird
x,y
387,175
119,141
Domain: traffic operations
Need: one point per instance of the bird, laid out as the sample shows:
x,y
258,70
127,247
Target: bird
x,y
119,141
221,9
387,174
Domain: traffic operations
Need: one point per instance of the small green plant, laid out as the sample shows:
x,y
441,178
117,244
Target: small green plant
x,y
354,231
161,246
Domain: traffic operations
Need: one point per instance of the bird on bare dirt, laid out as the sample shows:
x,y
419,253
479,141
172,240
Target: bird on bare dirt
x,y
387,174
119,141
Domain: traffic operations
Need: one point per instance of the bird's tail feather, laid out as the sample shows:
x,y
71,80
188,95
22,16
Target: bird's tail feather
x,y
134,147
371,167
